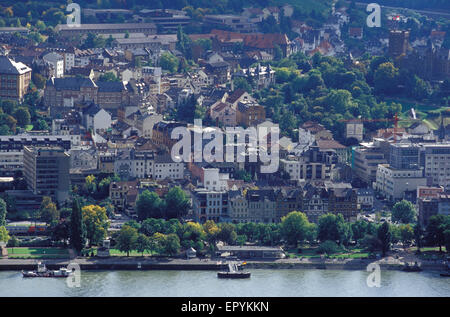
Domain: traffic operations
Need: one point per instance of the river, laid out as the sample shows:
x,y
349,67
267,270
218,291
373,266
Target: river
x,y
265,283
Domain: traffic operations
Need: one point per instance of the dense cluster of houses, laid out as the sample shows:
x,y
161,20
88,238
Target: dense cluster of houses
x,y
121,126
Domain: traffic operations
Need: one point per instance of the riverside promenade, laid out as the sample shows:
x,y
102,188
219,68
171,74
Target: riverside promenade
x,y
149,263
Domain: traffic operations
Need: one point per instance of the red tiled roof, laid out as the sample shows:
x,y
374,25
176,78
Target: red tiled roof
x,y
255,40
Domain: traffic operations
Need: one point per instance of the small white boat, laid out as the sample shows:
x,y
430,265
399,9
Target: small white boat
x,y
42,271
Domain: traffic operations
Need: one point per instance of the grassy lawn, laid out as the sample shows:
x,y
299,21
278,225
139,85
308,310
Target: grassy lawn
x,y
38,253
311,253
430,253
321,6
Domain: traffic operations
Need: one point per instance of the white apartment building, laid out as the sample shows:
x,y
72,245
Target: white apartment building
x,y
164,167
213,180
437,164
394,183
56,63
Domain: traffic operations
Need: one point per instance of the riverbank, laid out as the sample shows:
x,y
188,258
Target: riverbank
x,y
148,263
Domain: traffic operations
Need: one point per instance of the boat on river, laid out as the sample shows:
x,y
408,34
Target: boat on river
x,y
234,271
42,271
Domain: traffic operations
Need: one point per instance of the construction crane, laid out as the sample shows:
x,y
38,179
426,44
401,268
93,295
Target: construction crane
x,y
395,119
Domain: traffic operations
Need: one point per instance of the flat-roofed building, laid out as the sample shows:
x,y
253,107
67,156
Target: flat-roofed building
x,y
396,184
106,28
46,171
437,164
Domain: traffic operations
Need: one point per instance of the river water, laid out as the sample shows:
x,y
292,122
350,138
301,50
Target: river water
x,y
265,283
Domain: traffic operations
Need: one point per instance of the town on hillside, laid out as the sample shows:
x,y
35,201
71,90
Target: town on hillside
x,y
88,114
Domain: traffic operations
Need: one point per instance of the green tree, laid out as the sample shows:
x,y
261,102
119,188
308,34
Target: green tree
x,y
227,233
22,116
177,203
39,80
406,235
3,212
386,78
96,223
48,211
212,232
172,244
143,243
403,212
77,228
384,235
184,43
149,205
126,239
294,227
4,234
168,62
109,76
436,227
328,247
359,230
333,227
418,235
13,243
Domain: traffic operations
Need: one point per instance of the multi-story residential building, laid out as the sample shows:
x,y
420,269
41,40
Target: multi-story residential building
x,y
210,205
106,162
83,158
214,180
315,202
430,206
55,62
365,198
112,95
219,71
365,161
46,171
288,200
134,164
261,76
119,191
15,79
343,199
106,28
250,114
162,132
61,94
164,167
11,149
314,164
238,207
396,184
96,119
262,206
437,164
